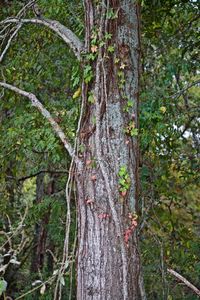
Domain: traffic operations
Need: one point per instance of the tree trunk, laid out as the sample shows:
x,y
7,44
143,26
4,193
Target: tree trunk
x,y
107,180
41,230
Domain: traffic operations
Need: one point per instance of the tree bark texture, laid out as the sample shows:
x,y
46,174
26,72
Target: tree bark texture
x,y
108,263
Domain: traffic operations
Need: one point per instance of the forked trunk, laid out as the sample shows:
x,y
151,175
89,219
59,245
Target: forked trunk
x,y
108,260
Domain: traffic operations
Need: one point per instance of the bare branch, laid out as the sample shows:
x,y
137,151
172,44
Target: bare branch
x,y
66,34
50,279
37,173
181,92
185,281
13,30
25,8
19,15
7,241
9,41
35,102
17,230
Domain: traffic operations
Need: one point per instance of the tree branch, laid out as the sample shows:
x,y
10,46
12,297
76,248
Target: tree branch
x,y
66,34
181,92
37,173
9,41
185,281
35,102
15,30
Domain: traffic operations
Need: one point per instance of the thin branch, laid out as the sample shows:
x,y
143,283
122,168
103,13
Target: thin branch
x,y
35,102
66,34
19,25
18,229
181,92
9,41
185,281
2,34
37,287
37,173
25,7
8,240
20,14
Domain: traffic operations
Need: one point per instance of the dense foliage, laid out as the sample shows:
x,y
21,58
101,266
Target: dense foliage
x,y
34,165
170,146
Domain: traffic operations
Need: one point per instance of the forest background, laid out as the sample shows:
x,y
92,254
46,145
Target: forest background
x,y
33,161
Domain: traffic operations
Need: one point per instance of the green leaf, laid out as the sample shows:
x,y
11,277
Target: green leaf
x,y
91,99
3,286
111,49
108,36
134,132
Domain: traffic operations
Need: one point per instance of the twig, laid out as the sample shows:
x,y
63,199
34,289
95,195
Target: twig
x,y
9,42
19,227
179,93
37,173
36,288
8,239
185,281
52,255
18,27
27,6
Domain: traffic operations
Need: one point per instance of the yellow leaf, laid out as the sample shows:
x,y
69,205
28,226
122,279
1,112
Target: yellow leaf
x,y
77,93
163,109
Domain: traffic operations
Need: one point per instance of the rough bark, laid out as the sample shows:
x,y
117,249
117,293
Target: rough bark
x,y
107,258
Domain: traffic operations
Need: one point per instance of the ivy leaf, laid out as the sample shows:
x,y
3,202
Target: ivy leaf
x,y
3,286
134,132
91,99
111,49
108,36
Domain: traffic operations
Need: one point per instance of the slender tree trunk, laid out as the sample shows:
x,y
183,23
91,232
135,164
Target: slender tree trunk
x,y
41,230
107,182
